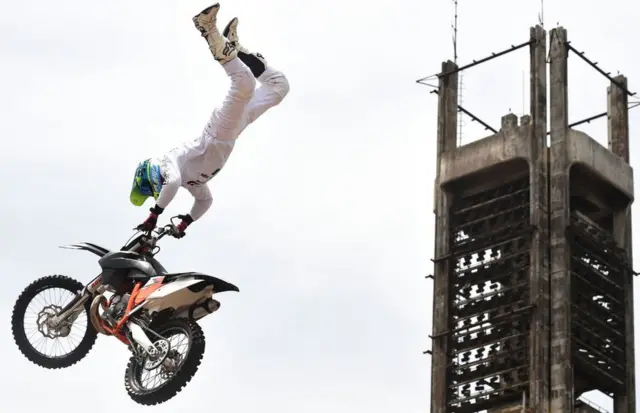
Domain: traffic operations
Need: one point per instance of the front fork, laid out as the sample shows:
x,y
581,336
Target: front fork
x,y
72,310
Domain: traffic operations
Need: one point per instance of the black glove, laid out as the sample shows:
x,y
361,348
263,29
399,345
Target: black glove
x,y
150,223
182,226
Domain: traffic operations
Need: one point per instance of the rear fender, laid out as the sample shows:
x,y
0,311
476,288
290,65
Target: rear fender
x,y
175,295
219,285
172,287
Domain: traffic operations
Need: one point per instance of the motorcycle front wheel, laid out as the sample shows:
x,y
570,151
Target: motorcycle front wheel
x,y
39,343
155,380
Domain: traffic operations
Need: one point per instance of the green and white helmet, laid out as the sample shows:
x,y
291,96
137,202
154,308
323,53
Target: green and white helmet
x,y
147,182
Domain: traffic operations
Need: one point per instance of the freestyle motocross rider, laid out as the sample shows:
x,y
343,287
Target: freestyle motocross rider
x,y
193,164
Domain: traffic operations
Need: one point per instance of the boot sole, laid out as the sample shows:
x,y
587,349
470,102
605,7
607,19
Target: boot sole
x,y
208,9
225,32
205,11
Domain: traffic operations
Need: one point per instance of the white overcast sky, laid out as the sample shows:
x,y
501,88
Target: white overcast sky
x,y
323,215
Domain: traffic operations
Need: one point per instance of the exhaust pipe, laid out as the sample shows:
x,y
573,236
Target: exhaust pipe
x,y
94,316
205,308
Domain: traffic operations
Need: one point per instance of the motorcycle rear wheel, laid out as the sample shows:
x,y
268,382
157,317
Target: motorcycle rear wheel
x,y
187,366
21,337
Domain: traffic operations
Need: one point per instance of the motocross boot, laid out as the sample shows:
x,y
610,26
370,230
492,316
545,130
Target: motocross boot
x,y
222,49
254,61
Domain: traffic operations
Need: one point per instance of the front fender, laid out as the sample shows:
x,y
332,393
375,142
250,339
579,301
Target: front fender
x,y
87,246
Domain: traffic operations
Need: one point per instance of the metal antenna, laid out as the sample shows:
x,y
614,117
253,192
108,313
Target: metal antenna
x,y
455,31
454,27
541,14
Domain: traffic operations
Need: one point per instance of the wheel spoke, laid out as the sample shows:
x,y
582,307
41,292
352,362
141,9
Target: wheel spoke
x,y
151,379
51,342
37,338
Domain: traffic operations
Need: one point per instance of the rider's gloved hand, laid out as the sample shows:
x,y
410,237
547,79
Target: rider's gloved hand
x,y
151,221
182,226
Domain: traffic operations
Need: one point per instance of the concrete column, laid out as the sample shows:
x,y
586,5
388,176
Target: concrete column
x,y
561,367
447,131
539,359
447,108
617,108
618,114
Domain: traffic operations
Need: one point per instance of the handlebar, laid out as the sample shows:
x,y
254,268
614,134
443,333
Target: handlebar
x,y
167,229
147,243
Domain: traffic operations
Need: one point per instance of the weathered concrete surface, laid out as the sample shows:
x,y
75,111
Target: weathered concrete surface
x,y
538,399
618,131
507,144
618,118
583,149
447,133
561,363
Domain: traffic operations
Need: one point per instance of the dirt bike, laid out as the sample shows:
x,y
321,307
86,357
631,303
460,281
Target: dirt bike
x,y
146,308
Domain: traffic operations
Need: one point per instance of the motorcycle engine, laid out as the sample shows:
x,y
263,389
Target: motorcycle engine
x,y
116,308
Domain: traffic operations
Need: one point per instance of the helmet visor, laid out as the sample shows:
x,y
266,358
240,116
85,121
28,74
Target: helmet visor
x,y
141,189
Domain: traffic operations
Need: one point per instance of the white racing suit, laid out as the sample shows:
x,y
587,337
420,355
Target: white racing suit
x,y
192,164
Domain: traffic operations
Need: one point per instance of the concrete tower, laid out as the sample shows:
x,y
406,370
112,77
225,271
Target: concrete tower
x,y
533,294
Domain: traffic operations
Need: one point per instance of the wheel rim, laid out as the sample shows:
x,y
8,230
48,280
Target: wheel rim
x,y
147,380
47,341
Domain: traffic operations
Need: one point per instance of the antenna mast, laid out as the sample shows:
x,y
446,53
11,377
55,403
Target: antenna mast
x,y
455,31
454,27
